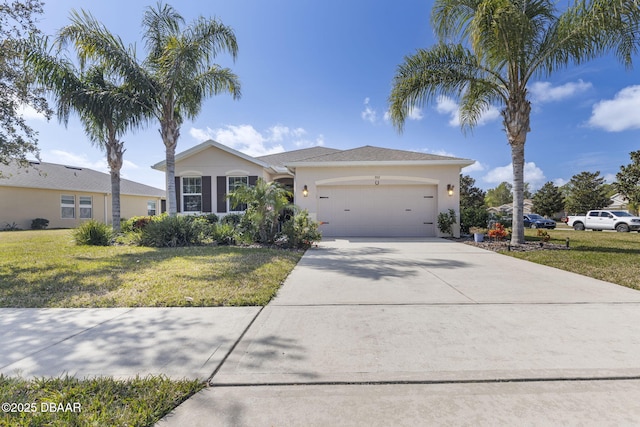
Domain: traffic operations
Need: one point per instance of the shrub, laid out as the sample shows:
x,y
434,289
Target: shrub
x,y
224,234
135,223
93,233
473,216
211,218
39,224
172,231
498,231
233,219
300,231
446,221
11,227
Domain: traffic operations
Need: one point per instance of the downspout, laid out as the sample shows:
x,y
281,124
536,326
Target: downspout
x,y
106,214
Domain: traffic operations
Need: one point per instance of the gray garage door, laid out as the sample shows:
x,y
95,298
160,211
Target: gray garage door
x,y
377,211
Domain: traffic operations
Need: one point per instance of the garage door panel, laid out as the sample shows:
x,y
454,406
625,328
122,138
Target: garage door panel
x,y
377,211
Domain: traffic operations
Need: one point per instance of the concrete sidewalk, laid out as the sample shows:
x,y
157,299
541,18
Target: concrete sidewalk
x,y
119,342
427,331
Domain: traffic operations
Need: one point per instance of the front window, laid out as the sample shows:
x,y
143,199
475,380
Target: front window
x,y
68,207
86,207
192,194
151,207
236,182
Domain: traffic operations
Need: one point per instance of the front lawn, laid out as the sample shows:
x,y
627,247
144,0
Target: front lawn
x,y
92,402
46,269
614,257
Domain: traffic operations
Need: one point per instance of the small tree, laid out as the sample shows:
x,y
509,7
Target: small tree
x,y
628,181
265,202
585,191
501,195
548,200
17,138
473,213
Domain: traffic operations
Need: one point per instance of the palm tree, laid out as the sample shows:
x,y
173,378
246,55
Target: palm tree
x,y
107,110
265,203
498,47
177,75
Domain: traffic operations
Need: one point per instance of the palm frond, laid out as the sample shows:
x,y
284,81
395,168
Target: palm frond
x,y
442,70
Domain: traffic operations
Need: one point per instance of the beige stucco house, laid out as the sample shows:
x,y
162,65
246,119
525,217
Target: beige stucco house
x,y
365,191
68,195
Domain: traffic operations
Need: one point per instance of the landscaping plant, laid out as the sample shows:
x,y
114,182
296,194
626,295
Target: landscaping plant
x,y
93,233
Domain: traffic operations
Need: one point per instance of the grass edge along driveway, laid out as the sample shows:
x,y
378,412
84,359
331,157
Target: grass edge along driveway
x,y
609,256
46,269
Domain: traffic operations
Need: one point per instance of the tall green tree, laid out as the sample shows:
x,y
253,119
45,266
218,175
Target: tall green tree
x,y
584,192
17,138
488,52
548,200
106,109
473,212
176,76
501,195
628,181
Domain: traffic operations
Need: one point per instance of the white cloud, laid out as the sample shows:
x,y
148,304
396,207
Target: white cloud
x,y
476,167
248,140
610,178
30,113
546,92
532,174
72,159
619,113
446,105
415,114
559,182
369,114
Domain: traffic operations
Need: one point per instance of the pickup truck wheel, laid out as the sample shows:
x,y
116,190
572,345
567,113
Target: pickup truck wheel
x,y
622,228
578,226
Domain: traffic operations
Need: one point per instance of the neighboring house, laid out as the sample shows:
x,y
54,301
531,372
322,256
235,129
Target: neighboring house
x,y
68,195
507,209
619,202
365,191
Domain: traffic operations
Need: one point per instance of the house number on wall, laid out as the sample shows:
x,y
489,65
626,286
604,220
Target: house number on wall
x,y
377,180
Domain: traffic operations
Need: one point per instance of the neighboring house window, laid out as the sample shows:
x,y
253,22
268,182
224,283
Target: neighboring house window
x,y
151,207
68,207
86,207
234,183
192,194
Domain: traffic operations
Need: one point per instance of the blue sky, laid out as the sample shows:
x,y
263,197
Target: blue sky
x,y
320,73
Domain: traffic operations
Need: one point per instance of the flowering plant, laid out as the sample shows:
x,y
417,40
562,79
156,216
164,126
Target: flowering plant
x,y
498,232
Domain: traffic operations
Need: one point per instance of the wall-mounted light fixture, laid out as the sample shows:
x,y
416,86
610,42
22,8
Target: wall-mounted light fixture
x,y
450,189
305,191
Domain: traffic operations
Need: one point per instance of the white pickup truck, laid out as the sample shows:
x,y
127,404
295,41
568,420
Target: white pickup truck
x,y
605,220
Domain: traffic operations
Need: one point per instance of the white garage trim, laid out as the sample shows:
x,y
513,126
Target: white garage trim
x,y
371,179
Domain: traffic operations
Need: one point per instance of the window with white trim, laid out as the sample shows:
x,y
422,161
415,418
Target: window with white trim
x,y
151,207
233,183
68,207
86,207
192,194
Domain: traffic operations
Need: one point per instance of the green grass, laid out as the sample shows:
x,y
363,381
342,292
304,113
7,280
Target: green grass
x,y
92,402
614,257
46,269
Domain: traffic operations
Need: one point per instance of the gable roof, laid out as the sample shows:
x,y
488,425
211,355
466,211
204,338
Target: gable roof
x,y
161,166
53,176
280,159
369,154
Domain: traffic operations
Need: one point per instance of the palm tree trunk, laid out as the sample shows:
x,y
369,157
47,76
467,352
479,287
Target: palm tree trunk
x,y
170,132
115,152
516,122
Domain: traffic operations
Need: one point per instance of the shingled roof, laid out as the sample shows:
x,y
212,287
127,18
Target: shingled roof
x,y
369,153
53,176
281,159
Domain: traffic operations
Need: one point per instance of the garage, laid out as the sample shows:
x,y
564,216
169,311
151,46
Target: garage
x,y
377,210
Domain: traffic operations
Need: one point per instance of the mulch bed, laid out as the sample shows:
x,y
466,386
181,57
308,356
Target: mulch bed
x,y
505,246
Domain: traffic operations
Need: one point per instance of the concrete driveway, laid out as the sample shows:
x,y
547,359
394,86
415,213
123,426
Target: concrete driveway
x,y
427,331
